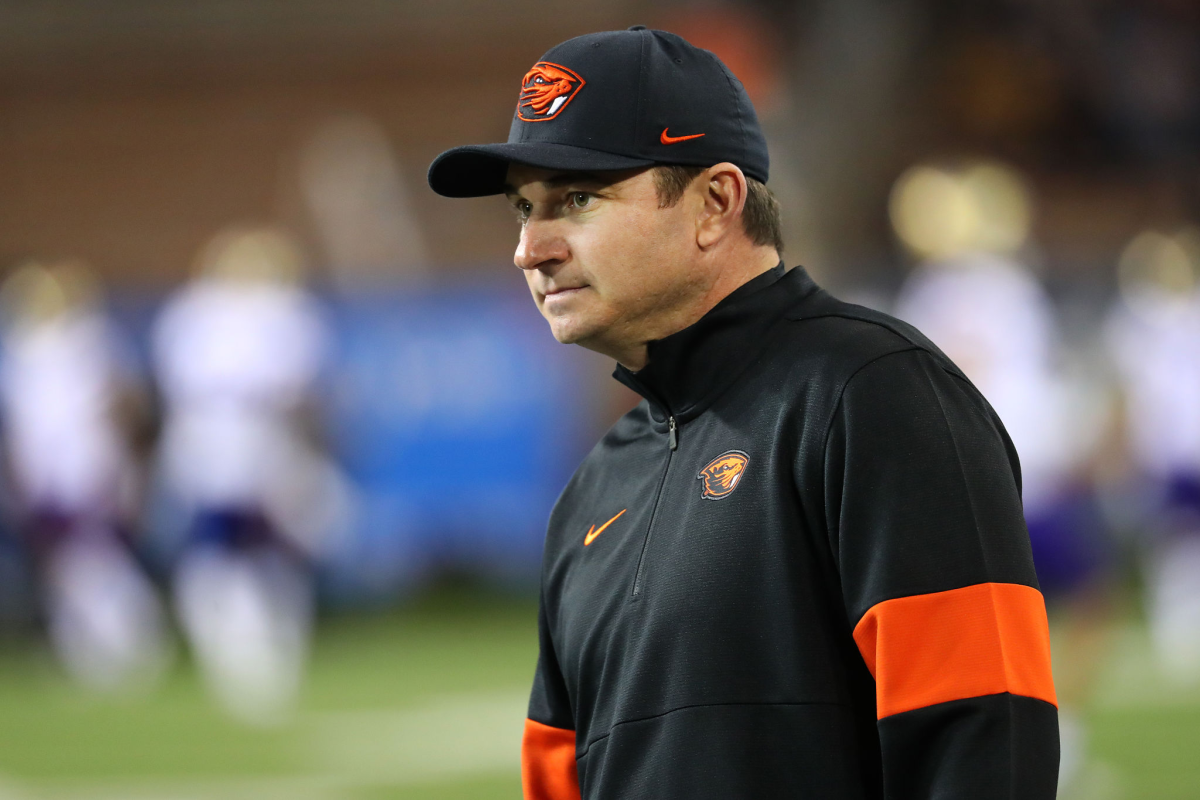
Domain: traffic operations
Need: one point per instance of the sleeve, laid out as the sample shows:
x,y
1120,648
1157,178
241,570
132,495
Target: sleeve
x,y
925,520
548,770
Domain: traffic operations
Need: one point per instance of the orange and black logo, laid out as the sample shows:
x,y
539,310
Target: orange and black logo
x,y
546,90
723,473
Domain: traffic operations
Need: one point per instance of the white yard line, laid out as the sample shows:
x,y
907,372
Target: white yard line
x,y
10,790
454,735
1130,677
300,788
450,736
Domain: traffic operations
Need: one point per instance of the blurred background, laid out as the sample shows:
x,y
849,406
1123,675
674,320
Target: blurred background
x,y
281,428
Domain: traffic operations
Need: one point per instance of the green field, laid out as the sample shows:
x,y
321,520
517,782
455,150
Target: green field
x,y
427,702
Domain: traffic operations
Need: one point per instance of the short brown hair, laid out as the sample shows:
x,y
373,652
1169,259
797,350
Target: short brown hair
x,y
761,217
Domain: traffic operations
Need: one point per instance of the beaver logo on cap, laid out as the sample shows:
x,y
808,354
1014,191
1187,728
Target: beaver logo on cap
x,y
546,90
722,474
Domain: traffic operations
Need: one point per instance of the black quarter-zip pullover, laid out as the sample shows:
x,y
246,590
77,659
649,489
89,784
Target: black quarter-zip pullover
x,y
797,569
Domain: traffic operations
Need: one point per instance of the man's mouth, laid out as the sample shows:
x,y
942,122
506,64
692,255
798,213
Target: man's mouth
x,y
563,291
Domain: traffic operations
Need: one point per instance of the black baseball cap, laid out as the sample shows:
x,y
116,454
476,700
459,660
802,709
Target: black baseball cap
x,y
616,100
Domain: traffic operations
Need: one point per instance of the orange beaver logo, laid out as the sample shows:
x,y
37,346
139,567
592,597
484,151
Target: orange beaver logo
x,y
722,474
545,91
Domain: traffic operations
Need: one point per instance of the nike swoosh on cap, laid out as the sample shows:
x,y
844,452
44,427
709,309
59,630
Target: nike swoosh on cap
x,y
665,139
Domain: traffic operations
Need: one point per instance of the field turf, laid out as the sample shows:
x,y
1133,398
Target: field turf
x,y
427,702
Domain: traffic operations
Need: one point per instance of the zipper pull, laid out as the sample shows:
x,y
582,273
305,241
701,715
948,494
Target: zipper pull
x,y
672,433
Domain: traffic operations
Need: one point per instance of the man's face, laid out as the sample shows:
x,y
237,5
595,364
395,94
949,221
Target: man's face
x,y
606,265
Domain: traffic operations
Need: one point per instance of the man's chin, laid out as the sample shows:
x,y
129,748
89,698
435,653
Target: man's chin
x,y
592,337
572,329
567,333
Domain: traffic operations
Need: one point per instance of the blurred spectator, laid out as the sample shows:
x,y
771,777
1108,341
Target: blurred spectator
x,y
354,188
237,352
977,301
1154,336
62,386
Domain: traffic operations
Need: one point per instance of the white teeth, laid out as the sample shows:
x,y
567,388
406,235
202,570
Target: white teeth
x,y
558,101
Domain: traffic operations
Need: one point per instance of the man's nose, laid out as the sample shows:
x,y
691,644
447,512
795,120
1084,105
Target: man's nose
x,y
540,246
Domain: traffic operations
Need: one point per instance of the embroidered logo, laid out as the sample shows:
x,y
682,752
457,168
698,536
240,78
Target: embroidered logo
x,y
546,90
665,139
722,474
593,531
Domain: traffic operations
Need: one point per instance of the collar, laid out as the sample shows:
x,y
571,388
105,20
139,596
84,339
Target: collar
x,y
689,369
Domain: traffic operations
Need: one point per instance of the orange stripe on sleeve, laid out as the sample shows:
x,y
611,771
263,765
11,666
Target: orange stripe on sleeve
x,y
548,769
932,648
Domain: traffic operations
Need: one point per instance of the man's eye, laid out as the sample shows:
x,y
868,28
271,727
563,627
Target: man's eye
x,y
580,199
521,210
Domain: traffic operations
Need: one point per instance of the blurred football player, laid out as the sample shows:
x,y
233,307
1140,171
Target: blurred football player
x,y
974,297
63,385
237,352
1154,337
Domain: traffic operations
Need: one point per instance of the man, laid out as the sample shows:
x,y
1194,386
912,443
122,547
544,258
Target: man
x,y
799,567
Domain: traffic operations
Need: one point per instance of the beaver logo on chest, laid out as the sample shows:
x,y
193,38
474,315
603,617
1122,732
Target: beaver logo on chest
x,y
545,91
723,474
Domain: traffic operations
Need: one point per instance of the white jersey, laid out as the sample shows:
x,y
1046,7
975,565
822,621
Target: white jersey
x,y
1155,342
234,362
59,386
995,321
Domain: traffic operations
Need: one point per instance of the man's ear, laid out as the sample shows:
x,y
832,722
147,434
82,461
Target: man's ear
x,y
723,195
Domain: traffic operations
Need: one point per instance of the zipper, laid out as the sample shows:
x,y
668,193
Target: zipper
x,y
672,446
